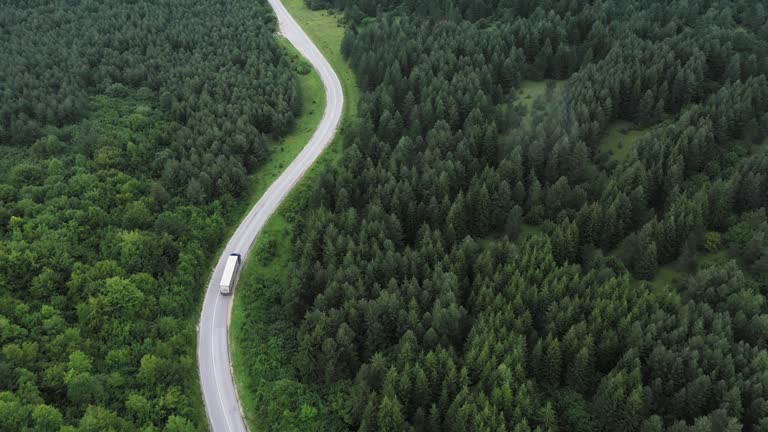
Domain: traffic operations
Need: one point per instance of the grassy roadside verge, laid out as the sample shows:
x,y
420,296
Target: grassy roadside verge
x,y
326,32
284,150
262,338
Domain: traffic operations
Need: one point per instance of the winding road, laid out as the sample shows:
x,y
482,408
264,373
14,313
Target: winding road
x,y
221,401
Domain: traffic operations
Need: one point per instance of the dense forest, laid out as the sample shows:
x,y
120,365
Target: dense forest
x,y
127,132
473,265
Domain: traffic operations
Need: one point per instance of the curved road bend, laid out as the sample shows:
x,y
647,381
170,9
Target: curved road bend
x,y
221,401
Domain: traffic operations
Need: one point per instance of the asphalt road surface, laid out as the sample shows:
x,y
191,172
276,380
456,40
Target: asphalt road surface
x,y
221,401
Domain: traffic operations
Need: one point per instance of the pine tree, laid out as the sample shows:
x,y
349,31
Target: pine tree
x,y
548,418
535,200
480,209
581,372
646,110
435,419
733,70
552,361
390,416
543,60
369,421
457,218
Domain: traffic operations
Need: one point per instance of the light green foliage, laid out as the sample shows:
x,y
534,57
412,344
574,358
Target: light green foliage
x,y
79,362
118,178
178,424
47,418
712,241
151,371
139,408
98,419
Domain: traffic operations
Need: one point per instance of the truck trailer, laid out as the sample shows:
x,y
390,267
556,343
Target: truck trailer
x,y
231,274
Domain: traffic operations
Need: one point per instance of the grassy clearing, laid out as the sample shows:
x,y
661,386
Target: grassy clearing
x,y
533,95
667,276
665,286
670,275
263,339
758,148
527,230
714,258
620,139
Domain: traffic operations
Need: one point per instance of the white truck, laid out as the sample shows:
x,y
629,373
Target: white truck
x,y
231,274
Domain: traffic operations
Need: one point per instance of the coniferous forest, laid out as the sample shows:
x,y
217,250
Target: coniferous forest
x,y
473,265
478,260
127,131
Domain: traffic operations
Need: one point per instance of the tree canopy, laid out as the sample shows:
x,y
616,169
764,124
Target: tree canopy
x,y
127,132
465,269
